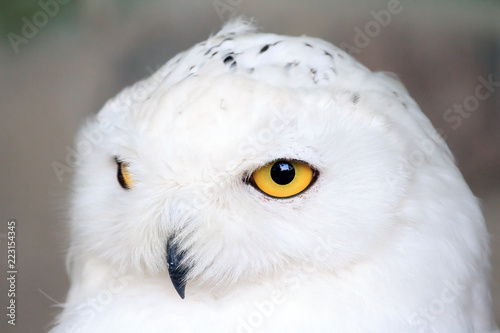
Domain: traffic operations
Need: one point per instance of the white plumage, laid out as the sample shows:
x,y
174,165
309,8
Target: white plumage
x,y
386,238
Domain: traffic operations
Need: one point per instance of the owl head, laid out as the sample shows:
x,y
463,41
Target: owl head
x,y
251,154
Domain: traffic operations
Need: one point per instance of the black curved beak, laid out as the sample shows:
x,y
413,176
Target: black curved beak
x,y
176,271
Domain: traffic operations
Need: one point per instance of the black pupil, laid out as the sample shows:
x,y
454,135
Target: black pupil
x,y
282,172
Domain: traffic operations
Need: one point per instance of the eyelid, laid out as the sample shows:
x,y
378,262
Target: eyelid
x,y
248,174
123,175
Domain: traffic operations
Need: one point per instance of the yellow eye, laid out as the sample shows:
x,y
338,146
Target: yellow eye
x,y
124,176
283,178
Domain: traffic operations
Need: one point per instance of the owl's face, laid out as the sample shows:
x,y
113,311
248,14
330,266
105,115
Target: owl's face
x,y
243,176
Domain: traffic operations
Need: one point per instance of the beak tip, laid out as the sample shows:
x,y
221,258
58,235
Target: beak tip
x,y
180,291
178,283
175,270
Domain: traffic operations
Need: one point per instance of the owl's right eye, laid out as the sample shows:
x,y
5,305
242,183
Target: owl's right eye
x,y
283,178
123,175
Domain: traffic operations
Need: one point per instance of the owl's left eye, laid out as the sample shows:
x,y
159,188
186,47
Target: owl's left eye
x,y
123,175
283,178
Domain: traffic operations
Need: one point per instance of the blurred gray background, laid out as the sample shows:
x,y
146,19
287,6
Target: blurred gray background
x,y
84,52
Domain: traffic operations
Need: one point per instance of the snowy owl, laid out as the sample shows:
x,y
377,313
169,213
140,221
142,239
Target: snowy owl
x,y
267,183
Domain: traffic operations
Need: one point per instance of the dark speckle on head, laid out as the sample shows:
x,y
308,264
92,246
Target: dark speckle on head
x,y
264,49
340,56
233,65
209,50
308,45
228,59
250,70
314,71
214,54
291,64
222,42
355,98
404,105
328,54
